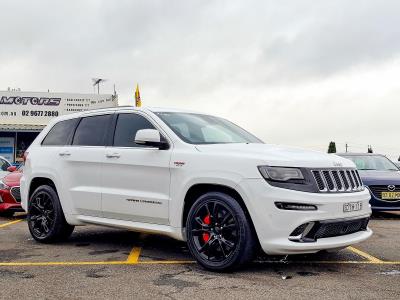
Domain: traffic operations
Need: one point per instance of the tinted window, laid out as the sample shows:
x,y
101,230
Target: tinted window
x,y
91,131
4,165
127,126
61,133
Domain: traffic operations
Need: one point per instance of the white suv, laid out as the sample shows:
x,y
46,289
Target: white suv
x,y
192,177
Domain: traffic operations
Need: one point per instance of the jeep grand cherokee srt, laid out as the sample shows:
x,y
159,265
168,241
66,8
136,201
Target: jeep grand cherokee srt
x,y
193,177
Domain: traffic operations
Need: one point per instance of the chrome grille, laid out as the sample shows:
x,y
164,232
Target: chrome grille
x,y
338,180
15,192
377,190
352,184
319,180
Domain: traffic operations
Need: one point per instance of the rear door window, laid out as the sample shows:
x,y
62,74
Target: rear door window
x,y
126,128
61,133
92,131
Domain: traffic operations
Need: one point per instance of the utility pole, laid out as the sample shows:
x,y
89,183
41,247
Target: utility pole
x,y
347,146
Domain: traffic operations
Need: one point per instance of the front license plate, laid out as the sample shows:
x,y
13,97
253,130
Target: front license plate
x,y
352,206
390,195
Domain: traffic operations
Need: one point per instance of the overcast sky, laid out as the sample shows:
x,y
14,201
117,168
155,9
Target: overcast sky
x,y
294,72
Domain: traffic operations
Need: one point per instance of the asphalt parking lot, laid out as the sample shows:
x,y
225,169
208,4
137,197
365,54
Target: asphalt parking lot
x,y
98,262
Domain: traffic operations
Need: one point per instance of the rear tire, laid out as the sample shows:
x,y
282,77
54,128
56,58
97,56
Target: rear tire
x,y
219,234
46,220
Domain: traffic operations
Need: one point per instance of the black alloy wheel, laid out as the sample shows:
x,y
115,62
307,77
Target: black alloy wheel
x,y
215,231
218,233
41,214
46,220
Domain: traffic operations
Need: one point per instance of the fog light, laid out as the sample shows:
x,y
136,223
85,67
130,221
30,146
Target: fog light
x,y
295,206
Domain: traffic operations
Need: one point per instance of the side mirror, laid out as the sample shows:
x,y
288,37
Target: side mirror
x,y
11,168
151,138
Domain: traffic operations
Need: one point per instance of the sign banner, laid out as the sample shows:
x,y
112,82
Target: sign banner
x,y
36,108
7,148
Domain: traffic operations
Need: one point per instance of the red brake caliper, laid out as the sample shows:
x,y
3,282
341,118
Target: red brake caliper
x,y
206,235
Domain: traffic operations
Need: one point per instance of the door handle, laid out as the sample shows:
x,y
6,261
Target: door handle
x,y
66,153
114,155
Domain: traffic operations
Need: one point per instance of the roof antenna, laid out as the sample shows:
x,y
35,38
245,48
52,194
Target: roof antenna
x,y
96,81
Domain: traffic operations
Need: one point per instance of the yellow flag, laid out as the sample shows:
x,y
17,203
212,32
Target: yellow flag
x,y
138,102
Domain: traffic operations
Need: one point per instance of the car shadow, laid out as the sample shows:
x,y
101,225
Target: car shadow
x,y
386,215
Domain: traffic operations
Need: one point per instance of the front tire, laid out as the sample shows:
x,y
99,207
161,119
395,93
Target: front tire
x,y
219,234
46,219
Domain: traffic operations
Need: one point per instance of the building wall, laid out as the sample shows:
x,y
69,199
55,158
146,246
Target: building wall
x,y
38,108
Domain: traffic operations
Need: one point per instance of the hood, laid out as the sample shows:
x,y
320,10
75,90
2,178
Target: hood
x,y
372,177
277,155
13,179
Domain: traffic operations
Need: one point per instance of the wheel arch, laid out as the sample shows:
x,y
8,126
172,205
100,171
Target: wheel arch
x,y
39,181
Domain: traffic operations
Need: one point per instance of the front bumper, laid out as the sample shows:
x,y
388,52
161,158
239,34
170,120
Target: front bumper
x,y
378,204
24,193
8,203
274,226
5,207
376,208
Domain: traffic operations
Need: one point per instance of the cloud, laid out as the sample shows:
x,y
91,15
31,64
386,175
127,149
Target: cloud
x,y
295,72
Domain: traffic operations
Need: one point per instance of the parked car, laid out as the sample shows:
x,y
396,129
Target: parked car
x,y
10,198
4,165
397,163
193,177
382,178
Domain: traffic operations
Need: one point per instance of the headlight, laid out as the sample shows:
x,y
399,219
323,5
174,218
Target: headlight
x,y
282,174
3,186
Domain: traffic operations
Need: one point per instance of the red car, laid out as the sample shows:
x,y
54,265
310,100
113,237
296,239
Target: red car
x,y
10,197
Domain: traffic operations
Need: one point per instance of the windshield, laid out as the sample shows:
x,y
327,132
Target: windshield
x,y
372,162
205,129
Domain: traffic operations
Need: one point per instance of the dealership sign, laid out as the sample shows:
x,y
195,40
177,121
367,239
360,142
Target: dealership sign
x,y
37,108
32,109
30,101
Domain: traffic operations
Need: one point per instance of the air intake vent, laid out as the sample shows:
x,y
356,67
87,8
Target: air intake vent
x,y
15,192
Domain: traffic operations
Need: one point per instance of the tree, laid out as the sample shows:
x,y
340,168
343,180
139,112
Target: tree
x,y
370,149
332,147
